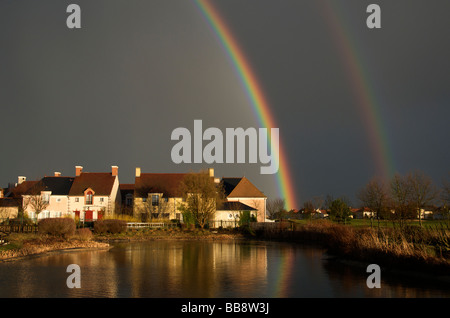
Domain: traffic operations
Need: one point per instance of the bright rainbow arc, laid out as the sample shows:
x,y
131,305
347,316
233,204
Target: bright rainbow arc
x,y
253,90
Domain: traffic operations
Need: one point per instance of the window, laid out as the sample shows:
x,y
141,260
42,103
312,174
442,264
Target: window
x,y
46,197
101,199
77,199
144,199
89,197
129,200
155,200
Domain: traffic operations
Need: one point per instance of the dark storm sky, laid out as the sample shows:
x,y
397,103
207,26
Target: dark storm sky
x,y
112,92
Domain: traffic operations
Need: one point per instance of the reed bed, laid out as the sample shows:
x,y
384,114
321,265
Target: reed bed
x,y
409,246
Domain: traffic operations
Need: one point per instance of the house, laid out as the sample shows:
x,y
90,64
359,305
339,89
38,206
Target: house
x,y
94,195
157,195
127,198
242,190
229,213
48,197
362,213
9,207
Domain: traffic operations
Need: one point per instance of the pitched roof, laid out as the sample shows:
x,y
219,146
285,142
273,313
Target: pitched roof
x,y
57,185
166,183
241,188
101,182
23,188
234,206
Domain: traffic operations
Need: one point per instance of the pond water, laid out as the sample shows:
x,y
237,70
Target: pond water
x,y
206,269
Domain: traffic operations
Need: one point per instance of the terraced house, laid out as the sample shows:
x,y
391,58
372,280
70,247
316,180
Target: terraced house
x,y
90,196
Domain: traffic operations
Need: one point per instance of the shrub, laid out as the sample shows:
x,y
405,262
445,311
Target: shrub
x,y
110,226
84,234
57,226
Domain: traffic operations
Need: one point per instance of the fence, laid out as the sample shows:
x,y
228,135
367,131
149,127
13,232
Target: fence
x,y
152,225
18,228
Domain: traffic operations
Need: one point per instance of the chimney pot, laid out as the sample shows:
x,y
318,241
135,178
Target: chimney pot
x,y
57,174
138,172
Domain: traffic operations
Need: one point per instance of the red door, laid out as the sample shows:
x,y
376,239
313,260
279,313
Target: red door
x,y
88,216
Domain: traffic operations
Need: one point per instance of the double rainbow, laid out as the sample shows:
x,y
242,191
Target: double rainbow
x,y
364,96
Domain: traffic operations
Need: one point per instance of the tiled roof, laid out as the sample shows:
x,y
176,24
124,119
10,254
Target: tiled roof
x,y
23,188
166,183
101,182
240,188
58,185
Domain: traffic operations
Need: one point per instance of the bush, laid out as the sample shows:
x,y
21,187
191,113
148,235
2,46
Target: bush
x,y
57,226
110,226
84,234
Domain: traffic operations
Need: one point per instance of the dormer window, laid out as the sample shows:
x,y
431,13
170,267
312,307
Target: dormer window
x,y
89,196
155,200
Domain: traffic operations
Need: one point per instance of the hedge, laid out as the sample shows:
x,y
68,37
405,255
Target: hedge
x,y
57,226
110,226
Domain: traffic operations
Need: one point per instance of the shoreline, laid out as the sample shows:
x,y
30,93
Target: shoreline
x,y
55,245
52,245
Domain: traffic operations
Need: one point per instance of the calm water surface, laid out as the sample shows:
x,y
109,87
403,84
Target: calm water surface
x,y
202,269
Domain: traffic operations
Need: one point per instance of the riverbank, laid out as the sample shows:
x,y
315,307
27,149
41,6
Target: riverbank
x,y
388,249
28,244
24,245
417,250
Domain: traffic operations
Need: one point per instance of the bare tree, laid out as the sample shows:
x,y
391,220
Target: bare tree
x,y
276,208
36,200
202,195
312,206
423,191
401,198
155,207
445,198
374,195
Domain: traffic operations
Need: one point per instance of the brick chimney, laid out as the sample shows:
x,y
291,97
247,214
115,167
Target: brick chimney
x,y
138,172
78,170
114,171
57,174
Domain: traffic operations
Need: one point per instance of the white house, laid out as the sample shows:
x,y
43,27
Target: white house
x,y
94,195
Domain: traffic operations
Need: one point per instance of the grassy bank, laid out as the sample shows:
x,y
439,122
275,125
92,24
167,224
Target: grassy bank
x,y
146,234
410,247
28,244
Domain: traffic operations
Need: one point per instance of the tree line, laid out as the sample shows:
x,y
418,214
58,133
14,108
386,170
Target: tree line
x,y
402,198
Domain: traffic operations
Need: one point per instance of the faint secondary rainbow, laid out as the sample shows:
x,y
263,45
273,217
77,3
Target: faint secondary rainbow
x,y
365,97
253,90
